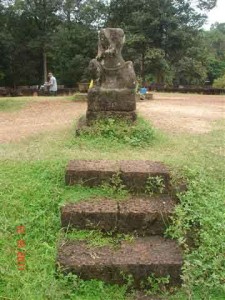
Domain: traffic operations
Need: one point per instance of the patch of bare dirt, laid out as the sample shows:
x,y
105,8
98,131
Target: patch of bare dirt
x,y
37,117
183,113
170,112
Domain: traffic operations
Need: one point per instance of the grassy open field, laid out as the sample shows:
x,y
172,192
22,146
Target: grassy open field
x,y
37,140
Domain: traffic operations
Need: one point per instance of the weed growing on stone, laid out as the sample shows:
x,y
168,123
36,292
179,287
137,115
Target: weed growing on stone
x,y
156,285
154,185
129,281
115,187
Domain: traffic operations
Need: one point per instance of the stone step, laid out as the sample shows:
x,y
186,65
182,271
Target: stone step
x,y
135,175
140,258
143,216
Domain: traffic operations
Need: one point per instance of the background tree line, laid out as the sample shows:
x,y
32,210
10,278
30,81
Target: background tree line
x,y
164,40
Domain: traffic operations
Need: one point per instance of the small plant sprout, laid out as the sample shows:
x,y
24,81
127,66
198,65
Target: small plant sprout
x,y
154,185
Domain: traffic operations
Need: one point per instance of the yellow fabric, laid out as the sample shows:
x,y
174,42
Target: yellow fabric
x,y
91,84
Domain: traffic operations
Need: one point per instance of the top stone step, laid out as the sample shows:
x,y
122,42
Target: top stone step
x,y
137,175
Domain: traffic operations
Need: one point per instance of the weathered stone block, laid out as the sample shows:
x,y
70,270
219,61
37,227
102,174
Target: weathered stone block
x,y
90,173
141,97
81,125
140,258
136,173
100,99
144,216
133,173
124,115
94,214
149,96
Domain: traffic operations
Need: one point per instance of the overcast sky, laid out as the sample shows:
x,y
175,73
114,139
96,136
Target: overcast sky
x,y
217,14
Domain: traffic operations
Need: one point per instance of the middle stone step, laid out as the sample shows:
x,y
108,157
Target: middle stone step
x,y
144,216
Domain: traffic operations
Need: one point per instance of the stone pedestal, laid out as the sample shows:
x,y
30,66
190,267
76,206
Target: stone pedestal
x,y
115,103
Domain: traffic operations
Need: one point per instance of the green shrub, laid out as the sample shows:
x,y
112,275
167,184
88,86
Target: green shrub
x,y
219,82
200,215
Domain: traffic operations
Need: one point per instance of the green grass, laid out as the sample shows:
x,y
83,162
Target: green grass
x,y
13,104
79,97
96,238
32,190
138,134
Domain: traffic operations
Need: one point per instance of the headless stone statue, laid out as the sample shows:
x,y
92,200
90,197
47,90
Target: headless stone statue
x,y
113,92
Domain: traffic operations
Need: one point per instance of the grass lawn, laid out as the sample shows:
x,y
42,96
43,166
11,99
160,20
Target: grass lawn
x,y
32,190
10,104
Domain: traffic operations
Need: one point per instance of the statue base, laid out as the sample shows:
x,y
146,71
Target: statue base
x,y
111,103
92,116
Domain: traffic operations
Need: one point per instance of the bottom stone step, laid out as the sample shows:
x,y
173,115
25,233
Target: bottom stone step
x,y
140,258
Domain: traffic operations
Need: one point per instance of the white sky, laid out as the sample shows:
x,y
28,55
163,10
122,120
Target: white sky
x,y
216,15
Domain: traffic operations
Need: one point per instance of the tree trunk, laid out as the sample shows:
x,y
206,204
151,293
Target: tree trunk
x,y
45,65
159,78
143,68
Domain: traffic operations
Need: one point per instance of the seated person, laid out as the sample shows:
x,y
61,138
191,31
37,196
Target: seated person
x,y
143,91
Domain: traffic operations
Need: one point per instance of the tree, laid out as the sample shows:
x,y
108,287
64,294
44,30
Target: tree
x,y
215,43
14,49
43,15
75,41
70,9
207,4
219,82
73,48
159,33
190,71
163,36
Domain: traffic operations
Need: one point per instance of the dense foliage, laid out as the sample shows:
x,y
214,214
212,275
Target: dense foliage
x,y
138,134
164,39
215,40
219,82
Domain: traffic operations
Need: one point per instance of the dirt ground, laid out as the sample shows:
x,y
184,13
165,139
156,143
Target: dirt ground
x,y
170,112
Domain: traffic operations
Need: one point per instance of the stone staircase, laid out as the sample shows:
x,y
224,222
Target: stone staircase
x,y
146,217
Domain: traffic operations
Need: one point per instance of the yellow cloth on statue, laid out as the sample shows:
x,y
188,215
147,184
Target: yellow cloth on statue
x,y
91,84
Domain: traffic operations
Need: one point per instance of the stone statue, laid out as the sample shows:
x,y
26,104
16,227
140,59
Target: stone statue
x,y
113,92
109,70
